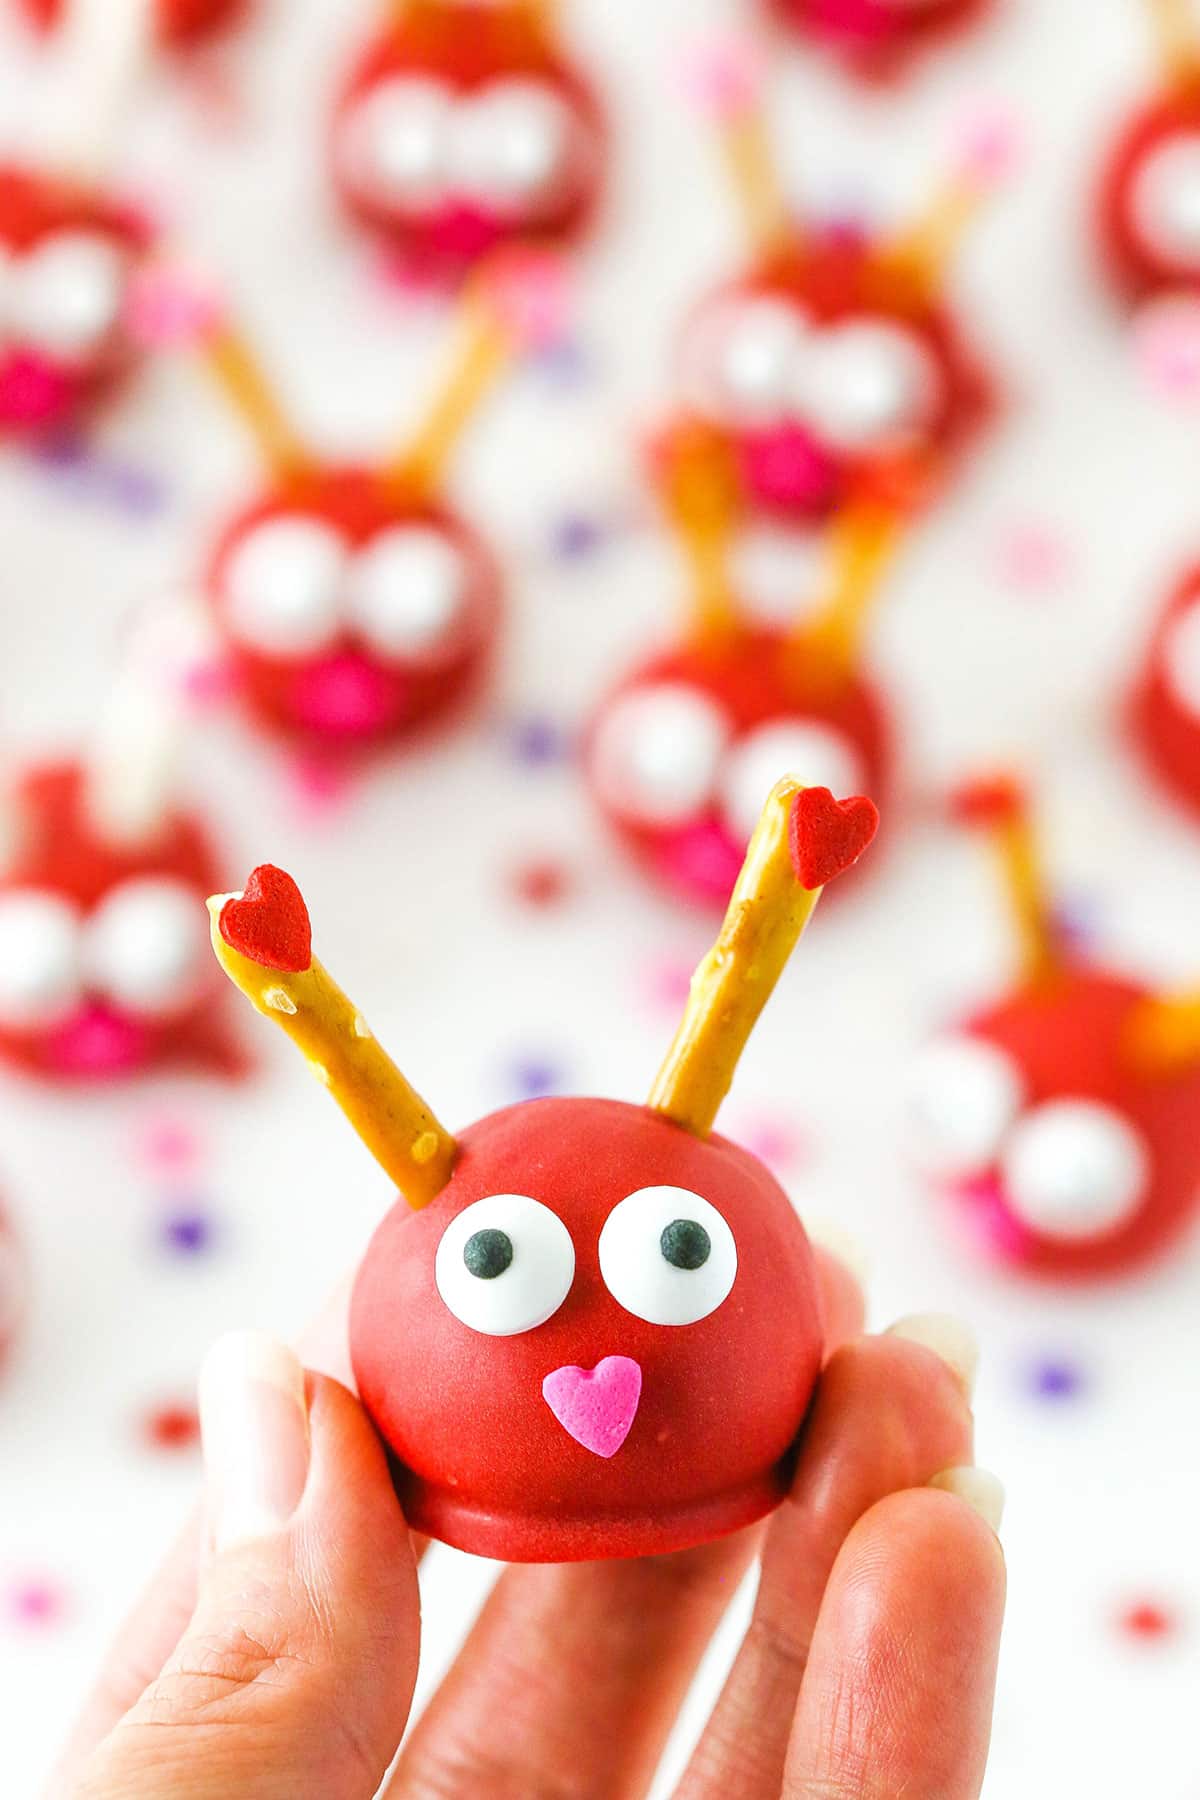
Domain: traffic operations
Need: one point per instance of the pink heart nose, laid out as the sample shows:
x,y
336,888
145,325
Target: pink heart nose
x,y
596,1406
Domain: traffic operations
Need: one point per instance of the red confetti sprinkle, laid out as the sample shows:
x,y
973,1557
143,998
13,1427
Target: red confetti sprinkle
x,y
172,1428
542,883
1149,1621
989,800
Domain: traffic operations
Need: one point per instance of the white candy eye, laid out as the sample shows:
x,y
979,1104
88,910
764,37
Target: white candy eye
x,y
146,945
66,293
505,1264
406,589
740,360
964,1094
819,755
1181,659
40,979
1075,1169
283,581
511,143
1165,199
657,751
868,383
667,1256
395,142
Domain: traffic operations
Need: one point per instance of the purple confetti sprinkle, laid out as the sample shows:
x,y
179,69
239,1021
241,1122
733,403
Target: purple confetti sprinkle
x,y
533,1077
1056,1378
575,536
565,362
188,1231
538,741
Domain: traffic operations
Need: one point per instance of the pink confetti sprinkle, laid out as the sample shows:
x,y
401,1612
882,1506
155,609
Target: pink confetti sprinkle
x,y
168,1145
1034,558
987,144
1166,347
722,76
667,985
36,1601
775,1141
168,307
531,293
542,883
320,788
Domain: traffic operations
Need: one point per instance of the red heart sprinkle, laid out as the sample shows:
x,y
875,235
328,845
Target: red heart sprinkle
x,y
270,922
826,835
988,800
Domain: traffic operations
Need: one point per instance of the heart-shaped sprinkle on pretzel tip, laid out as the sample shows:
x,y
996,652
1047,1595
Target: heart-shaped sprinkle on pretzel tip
x,y
269,922
827,836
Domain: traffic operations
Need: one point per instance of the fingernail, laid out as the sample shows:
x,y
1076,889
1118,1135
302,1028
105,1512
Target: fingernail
x,y
254,1431
841,1244
979,1488
948,1338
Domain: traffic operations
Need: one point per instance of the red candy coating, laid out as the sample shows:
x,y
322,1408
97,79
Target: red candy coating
x,y
270,923
464,48
1140,269
348,696
757,680
827,836
60,854
1165,730
481,1461
1070,1040
877,38
43,387
180,23
988,800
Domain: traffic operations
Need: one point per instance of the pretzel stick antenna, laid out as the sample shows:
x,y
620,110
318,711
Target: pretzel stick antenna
x,y
983,159
408,1142
1002,806
1177,36
766,918
485,348
239,373
700,503
750,160
863,544
1165,1031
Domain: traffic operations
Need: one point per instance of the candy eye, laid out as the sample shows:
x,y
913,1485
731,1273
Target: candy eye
x,y
65,294
283,584
740,360
667,1256
819,755
511,144
868,383
964,1095
1165,199
40,979
1181,659
395,142
657,751
146,945
1075,1169
505,1264
405,591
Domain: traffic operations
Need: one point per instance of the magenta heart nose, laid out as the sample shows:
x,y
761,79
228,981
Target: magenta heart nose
x,y
596,1406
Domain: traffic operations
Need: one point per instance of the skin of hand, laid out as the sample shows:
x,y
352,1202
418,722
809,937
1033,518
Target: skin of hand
x,y
276,1652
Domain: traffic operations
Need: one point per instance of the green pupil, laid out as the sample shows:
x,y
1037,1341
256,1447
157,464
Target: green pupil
x,y
685,1244
488,1253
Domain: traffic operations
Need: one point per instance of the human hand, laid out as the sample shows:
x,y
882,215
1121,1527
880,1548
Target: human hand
x,y
276,1655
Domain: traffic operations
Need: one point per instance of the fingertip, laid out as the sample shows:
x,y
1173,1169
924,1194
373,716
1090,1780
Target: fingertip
x,y
949,1337
841,1280
979,1489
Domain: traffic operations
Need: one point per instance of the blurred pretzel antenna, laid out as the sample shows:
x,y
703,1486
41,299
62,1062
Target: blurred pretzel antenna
x,y
234,364
517,300
700,502
766,918
825,648
1178,38
724,78
984,154
408,1142
999,804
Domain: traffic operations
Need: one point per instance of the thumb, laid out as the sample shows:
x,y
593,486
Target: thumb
x,y
295,1673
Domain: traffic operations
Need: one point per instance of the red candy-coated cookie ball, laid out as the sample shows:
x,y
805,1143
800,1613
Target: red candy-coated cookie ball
x,y
67,255
876,38
462,129
830,378
179,23
1150,199
1071,1158
353,616
104,969
600,1340
1164,707
681,755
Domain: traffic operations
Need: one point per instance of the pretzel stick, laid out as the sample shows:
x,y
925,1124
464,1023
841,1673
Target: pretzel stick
x,y
1164,1033
1178,38
700,503
241,376
766,917
487,348
394,1123
864,540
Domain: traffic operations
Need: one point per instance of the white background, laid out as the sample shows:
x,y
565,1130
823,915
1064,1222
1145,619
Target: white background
x,y
409,883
